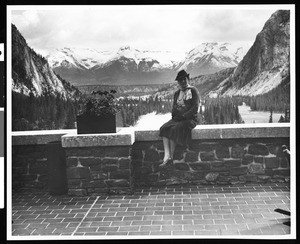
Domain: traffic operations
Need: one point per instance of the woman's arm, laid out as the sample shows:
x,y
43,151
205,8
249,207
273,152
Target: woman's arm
x,y
195,104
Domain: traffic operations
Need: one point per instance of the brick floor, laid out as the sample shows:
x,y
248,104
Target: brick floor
x,y
174,210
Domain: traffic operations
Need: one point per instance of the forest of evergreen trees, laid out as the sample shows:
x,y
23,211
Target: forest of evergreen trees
x,y
131,109
48,112
221,110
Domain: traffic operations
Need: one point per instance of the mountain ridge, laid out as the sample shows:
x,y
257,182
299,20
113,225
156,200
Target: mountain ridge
x,y
132,66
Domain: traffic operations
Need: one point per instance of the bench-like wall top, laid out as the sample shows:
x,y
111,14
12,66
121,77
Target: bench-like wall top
x,y
128,135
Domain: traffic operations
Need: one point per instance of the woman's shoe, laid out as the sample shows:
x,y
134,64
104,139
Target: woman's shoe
x,y
166,163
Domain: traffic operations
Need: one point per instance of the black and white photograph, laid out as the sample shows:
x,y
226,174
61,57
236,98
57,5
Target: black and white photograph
x,y
151,121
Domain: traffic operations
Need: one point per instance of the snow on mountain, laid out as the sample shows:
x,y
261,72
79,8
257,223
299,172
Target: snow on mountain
x,y
128,65
212,57
87,58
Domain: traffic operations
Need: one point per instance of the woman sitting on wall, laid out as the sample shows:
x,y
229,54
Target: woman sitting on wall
x,y
184,118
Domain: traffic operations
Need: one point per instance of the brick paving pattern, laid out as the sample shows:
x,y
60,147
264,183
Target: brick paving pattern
x,y
174,210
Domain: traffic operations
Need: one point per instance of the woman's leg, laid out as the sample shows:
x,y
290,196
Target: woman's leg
x,y
172,148
167,152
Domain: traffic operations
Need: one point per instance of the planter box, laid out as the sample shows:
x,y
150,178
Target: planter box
x,y
87,124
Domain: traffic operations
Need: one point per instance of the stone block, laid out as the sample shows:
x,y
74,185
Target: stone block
x,y
182,166
247,159
263,178
176,181
237,151
110,168
97,184
225,178
230,163
255,168
165,175
90,161
151,177
77,192
136,164
117,183
117,151
152,155
284,163
207,146
222,151
98,175
77,184
238,171
271,162
282,172
217,164
71,161
191,156
200,166
120,174
97,191
258,159
136,153
145,170
124,163
78,173
248,178
269,172
207,156
258,149
212,176
178,155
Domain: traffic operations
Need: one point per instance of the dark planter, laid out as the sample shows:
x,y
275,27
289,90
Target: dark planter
x,y
92,124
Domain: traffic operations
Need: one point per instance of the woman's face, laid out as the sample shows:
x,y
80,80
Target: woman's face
x,y
182,84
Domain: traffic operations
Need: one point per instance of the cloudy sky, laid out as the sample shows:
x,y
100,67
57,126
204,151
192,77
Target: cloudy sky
x,y
175,27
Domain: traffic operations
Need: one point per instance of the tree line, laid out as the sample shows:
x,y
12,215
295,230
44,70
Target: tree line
x,y
50,111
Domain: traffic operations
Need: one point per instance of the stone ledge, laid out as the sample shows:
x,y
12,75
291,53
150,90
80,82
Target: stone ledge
x,y
124,137
38,137
128,135
225,132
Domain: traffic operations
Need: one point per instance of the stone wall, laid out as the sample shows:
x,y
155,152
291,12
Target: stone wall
x,y
221,161
29,158
29,168
116,163
96,170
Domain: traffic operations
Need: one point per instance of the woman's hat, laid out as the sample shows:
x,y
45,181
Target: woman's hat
x,y
181,75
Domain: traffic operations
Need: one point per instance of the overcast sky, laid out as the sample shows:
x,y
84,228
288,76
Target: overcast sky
x,y
176,27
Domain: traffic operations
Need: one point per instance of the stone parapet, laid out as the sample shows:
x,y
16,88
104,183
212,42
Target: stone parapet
x,y
115,163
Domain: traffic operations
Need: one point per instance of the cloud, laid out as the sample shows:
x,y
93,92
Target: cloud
x,y
156,27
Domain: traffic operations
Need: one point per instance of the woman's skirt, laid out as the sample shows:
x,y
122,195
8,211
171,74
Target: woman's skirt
x,y
178,131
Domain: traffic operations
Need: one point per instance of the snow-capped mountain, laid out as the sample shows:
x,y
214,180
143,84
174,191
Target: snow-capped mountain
x,y
267,63
209,58
31,73
123,66
132,66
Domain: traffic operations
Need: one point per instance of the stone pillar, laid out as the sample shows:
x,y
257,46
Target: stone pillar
x,y
99,163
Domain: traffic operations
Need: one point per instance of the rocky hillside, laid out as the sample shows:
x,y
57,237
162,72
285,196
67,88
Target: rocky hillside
x,y
41,99
266,64
31,73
